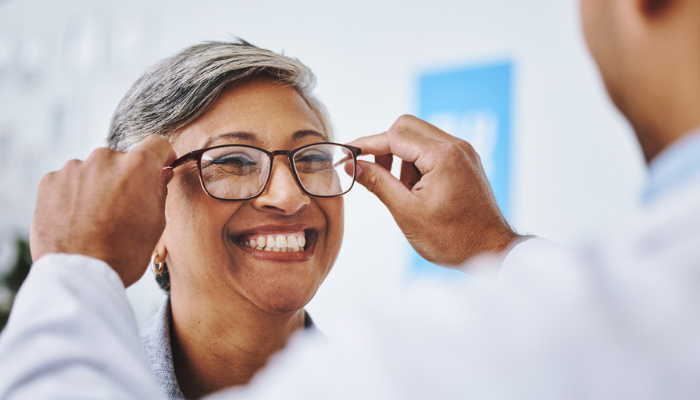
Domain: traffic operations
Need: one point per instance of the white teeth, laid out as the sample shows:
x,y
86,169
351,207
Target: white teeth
x,y
281,243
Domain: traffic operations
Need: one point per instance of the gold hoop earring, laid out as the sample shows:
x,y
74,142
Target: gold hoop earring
x,y
158,268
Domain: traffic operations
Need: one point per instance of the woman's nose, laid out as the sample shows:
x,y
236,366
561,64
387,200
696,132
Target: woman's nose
x,y
282,194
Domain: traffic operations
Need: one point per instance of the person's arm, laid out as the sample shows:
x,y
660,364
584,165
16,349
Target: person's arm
x,y
72,335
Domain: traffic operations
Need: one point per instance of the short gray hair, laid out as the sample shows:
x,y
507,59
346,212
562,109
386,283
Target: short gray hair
x,y
178,90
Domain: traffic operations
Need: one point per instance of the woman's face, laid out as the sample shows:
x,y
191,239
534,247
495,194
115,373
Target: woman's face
x,y
203,235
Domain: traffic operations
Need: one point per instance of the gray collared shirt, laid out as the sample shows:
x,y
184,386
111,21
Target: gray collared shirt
x,y
156,342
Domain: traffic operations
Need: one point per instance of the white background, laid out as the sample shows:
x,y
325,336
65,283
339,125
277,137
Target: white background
x,y
65,64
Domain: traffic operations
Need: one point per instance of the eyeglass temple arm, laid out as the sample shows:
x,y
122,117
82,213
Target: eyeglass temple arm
x,y
356,151
182,160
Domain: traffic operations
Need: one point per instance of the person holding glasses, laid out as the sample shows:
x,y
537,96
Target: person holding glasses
x,y
254,213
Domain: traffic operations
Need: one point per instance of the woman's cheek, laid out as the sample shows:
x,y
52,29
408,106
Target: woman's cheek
x,y
334,211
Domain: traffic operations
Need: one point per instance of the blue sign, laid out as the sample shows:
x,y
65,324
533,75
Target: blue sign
x,y
474,104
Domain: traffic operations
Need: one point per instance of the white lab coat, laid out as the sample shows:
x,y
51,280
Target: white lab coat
x,y
618,319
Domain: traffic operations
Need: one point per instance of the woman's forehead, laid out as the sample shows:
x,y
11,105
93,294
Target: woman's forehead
x,y
299,137
261,113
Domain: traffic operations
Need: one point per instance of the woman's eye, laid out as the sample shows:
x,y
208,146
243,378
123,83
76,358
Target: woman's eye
x,y
312,162
231,164
314,158
232,160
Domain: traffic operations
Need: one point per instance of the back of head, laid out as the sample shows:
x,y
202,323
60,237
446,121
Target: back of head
x,y
177,90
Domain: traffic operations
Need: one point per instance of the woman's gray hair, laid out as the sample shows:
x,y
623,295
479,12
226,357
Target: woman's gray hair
x,y
178,90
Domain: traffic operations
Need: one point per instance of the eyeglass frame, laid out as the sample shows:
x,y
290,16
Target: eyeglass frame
x,y
197,156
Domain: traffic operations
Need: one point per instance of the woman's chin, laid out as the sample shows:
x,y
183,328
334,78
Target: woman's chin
x,y
278,302
282,307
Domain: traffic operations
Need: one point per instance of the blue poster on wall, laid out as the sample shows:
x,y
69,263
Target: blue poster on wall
x,y
474,104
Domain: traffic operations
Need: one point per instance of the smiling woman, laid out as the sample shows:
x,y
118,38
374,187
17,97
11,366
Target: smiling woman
x,y
254,221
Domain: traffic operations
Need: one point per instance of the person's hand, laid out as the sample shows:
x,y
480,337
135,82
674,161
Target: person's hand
x,y
109,207
442,202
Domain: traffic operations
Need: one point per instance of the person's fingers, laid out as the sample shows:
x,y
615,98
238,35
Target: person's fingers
x,y
99,155
385,161
405,144
351,169
374,144
410,175
45,184
383,184
166,176
158,148
414,124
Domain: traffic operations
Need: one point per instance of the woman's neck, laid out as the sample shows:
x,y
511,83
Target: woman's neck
x,y
218,345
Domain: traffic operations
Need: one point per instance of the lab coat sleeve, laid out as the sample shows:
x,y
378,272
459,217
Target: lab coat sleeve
x,y
518,261
72,335
532,253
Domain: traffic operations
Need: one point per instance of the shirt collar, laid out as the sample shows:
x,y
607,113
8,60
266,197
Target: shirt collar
x,y
674,165
156,342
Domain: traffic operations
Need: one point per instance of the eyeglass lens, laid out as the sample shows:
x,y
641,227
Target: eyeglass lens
x,y
237,172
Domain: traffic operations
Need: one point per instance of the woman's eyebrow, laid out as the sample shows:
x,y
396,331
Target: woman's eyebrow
x,y
240,136
302,134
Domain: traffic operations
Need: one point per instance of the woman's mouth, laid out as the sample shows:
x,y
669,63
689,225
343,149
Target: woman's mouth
x,y
280,242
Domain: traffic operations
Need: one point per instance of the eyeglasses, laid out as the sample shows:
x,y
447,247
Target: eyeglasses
x,y
242,172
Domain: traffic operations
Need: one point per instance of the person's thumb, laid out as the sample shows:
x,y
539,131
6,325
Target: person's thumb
x,y
166,175
383,184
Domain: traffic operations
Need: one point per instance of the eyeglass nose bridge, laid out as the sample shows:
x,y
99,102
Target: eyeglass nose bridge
x,y
276,153
286,153
288,156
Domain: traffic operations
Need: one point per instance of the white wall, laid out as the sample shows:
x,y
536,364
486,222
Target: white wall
x,y
576,170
